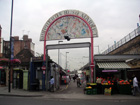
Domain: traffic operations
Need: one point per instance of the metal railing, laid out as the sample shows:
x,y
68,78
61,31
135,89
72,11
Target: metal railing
x,y
124,40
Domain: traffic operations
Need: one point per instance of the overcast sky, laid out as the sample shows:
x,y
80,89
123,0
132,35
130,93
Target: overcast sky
x,y
114,20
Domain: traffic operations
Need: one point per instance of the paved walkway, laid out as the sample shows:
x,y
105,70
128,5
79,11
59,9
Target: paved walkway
x,y
60,95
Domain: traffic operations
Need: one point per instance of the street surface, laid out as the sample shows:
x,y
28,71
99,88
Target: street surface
x,y
72,89
71,95
42,101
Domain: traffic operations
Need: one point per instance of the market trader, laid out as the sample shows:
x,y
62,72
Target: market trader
x,y
135,85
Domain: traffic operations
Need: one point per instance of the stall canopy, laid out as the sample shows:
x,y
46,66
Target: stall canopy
x,y
113,65
4,60
15,61
1,68
12,61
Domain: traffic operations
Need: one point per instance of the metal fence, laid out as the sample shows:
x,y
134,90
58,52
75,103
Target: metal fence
x,y
124,40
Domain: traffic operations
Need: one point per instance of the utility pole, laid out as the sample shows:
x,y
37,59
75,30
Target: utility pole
x,y
9,87
59,52
66,59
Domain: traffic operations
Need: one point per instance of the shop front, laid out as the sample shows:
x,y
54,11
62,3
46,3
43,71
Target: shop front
x,y
114,76
111,78
111,69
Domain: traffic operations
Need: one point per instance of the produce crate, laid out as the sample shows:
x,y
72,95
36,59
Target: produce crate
x,y
94,91
93,85
125,89
107,86
91,91
107,91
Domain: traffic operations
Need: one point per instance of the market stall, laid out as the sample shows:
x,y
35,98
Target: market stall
x,y
109,86
111,72
124,87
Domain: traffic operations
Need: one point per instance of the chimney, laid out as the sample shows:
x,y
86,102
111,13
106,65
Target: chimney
x,y
25,37
16,38
0,30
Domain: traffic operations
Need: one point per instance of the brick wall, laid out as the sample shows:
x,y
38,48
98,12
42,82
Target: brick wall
x,y
21,44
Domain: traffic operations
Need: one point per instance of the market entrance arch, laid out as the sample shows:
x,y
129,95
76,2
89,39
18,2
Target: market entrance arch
x,y
73,24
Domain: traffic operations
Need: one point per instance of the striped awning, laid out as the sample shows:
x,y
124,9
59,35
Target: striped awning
x,y
15,61
113,65
1,67
4,60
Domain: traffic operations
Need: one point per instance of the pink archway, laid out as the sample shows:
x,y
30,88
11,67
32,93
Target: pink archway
x,y
91,34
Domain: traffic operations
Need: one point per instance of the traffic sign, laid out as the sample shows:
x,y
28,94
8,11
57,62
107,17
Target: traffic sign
x,y
43,67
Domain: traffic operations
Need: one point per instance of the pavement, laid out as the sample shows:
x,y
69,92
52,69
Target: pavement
x,y
60,94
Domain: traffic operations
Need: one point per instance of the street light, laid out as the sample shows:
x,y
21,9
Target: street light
x,y
59,51
66,59
11,45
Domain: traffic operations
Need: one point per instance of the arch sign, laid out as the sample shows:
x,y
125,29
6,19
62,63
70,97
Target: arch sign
x,y
72,23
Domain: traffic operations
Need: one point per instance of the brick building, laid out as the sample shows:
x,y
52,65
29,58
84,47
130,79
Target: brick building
x,y
25,47
19,45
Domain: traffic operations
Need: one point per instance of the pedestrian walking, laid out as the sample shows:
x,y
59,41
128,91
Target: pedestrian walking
x,y
74,79
78,82
84,86
135,85
52,84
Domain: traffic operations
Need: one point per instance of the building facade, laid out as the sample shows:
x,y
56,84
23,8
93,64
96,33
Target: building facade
x,y
19,45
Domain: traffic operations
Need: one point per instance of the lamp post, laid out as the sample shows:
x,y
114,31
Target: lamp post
x,y
11,52
66,59
59,51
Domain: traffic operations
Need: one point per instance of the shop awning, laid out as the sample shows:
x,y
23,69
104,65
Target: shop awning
x,y
113,65
12,61
1,67
15,61
4,60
